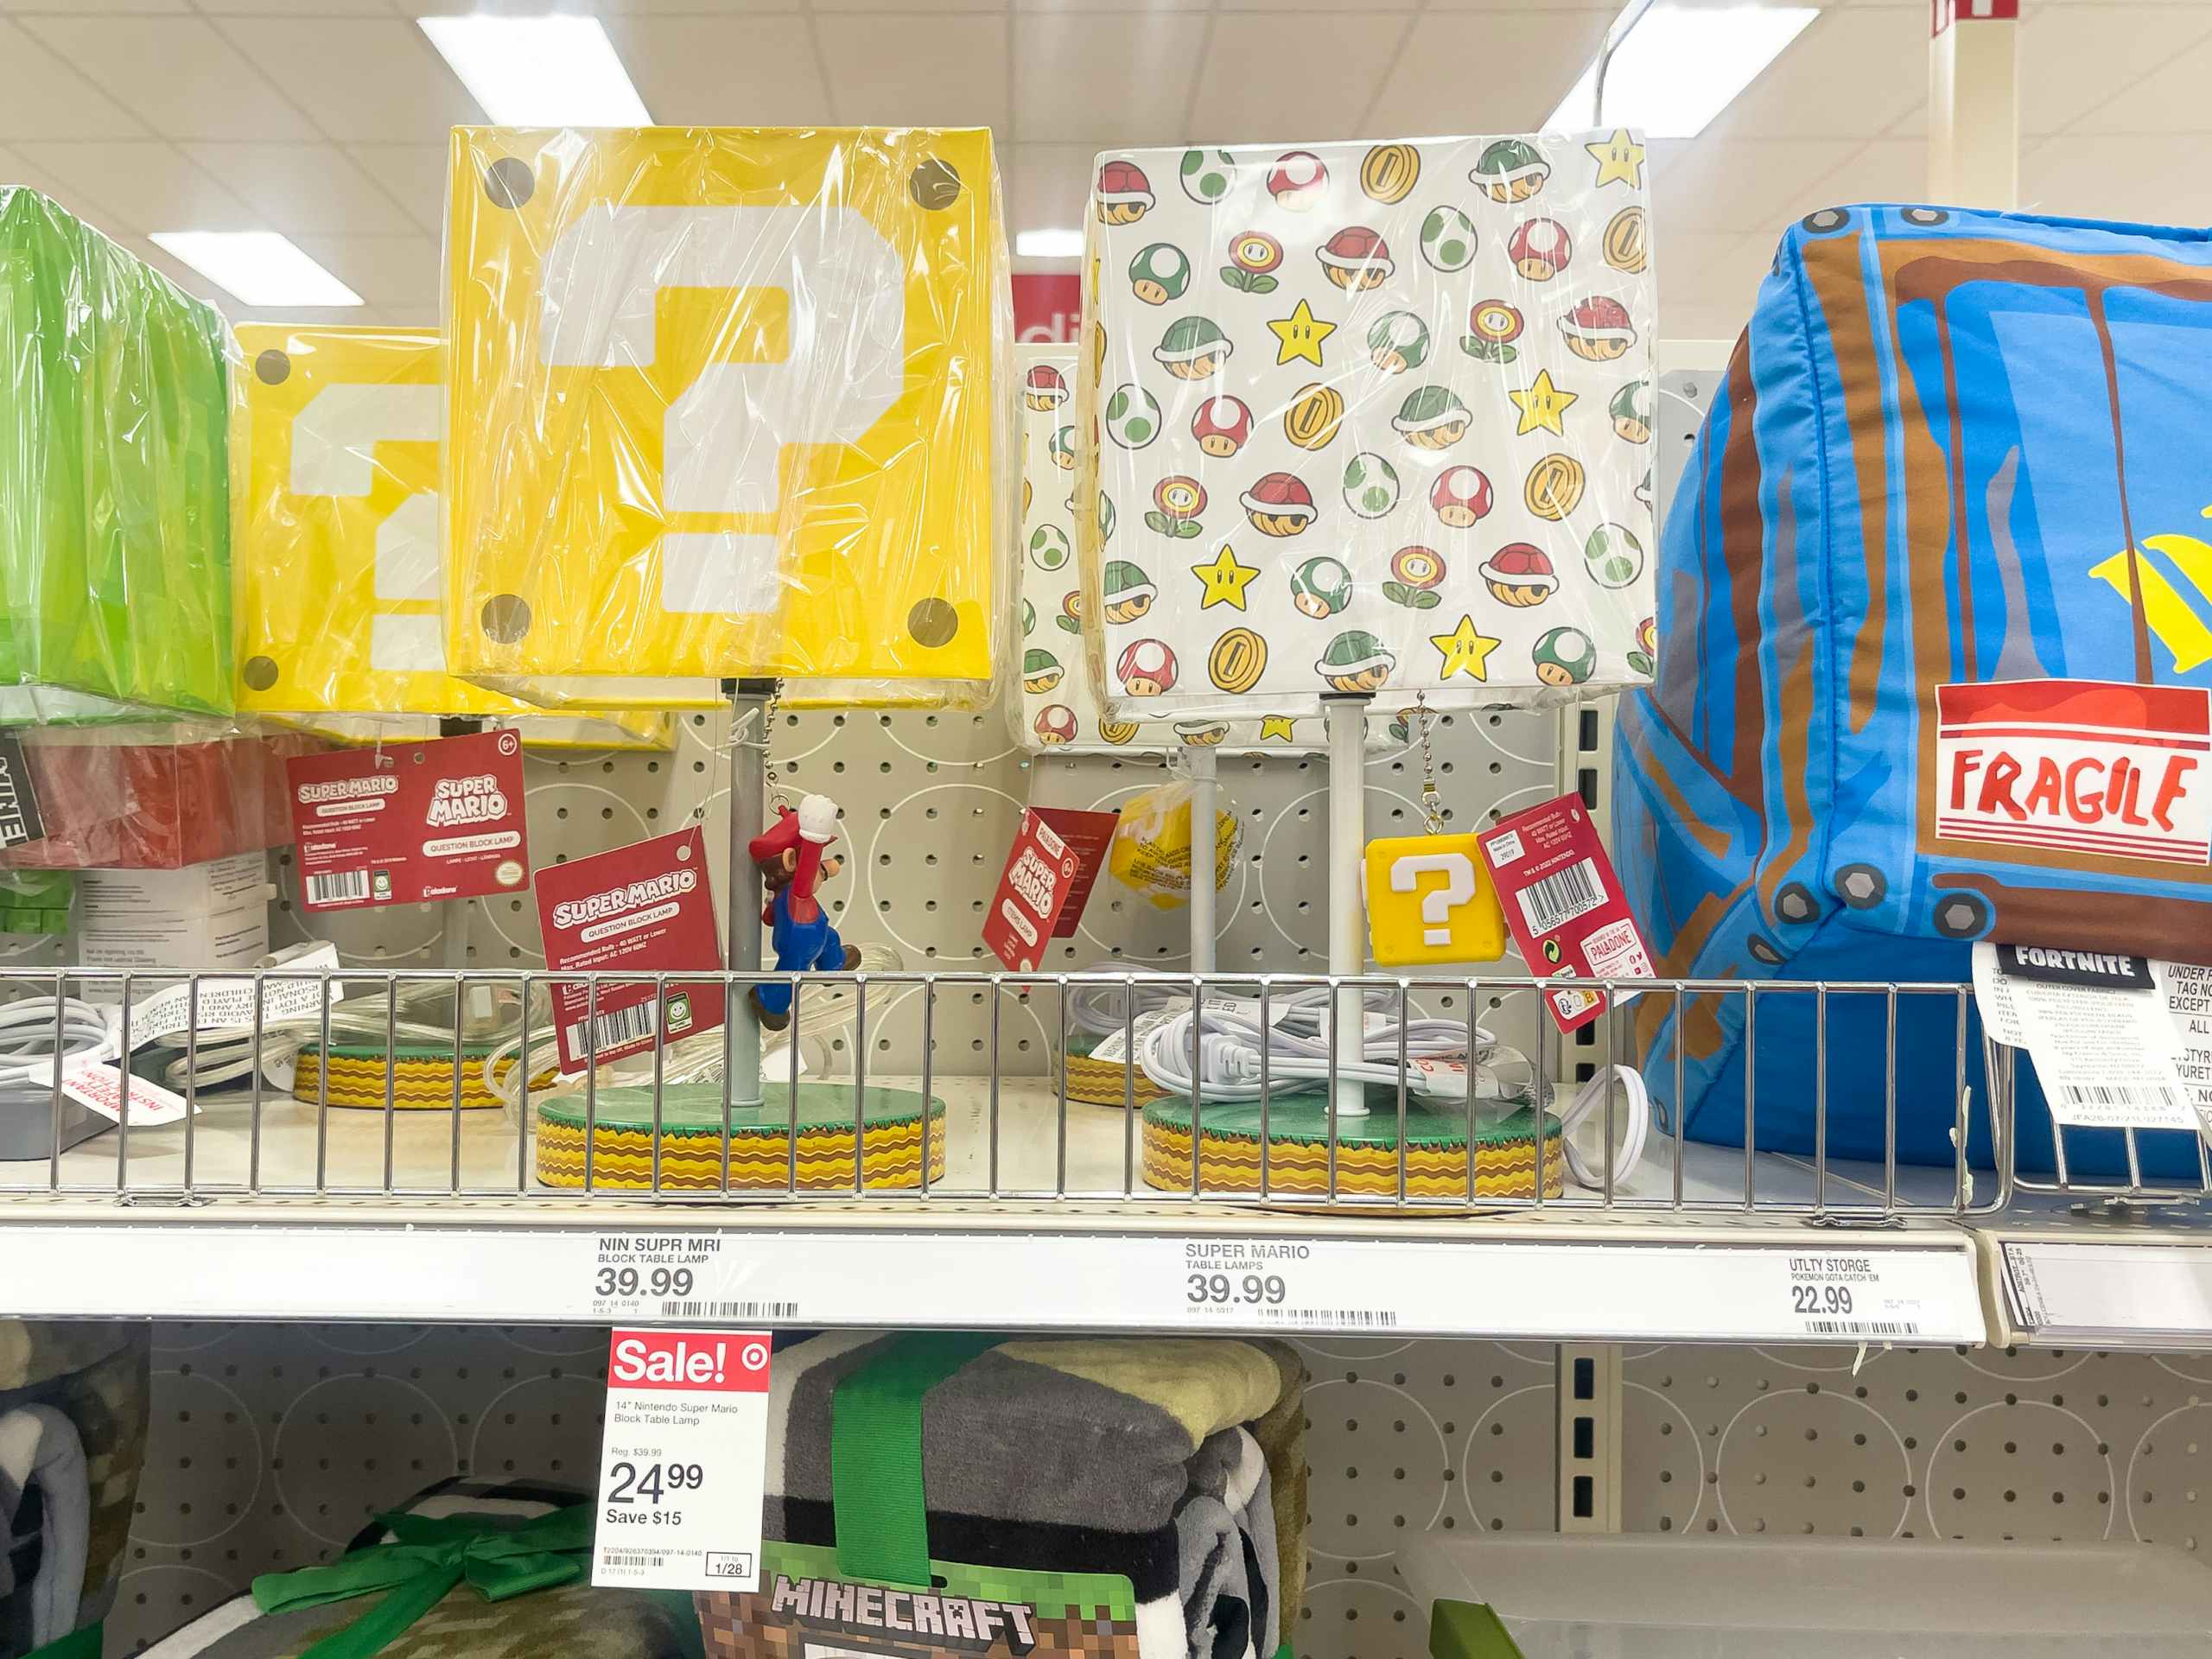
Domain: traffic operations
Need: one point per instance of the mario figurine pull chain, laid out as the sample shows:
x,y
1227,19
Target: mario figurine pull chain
x,y
793,864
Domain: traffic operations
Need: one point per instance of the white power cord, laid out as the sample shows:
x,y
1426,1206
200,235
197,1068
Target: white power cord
x,y
1214,1051
27,1032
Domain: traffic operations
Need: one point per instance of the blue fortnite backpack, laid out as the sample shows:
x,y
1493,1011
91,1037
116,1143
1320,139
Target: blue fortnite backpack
x,y
1935,660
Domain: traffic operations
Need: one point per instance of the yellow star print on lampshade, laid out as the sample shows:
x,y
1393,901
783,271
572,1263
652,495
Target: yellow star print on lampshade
x,y
1375,419
726,403
338,573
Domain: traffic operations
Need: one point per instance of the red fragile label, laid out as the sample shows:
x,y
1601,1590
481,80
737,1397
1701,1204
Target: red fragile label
x,y
403,822
698,1361
1564,905
646,908
2076,766
1055,862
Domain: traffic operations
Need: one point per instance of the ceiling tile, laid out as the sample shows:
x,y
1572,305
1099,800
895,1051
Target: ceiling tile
x,y
1325,65
377,80
401,272
305,188
2089,177
1047,186
1485,72
41,96
948,71
642,8
82,7
414,173
2076,58
1889,169
909,5
142,186
1849,75
1702,184
704,70
1111,5
1113,80
179,74
2170,99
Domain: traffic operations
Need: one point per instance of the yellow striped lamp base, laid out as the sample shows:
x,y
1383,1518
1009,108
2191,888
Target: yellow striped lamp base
x,y
421,1075
1297,1150
619,1139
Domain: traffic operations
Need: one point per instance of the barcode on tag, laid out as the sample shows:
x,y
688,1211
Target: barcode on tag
x,y
729,1310
1862,1327
1361,1318
1554,900
615,1029
338,887
631,1558
2150,1096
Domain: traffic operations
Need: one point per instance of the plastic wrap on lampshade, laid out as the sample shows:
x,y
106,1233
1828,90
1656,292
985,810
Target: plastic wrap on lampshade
x,y
339,568
1372,419
155,797
726,403
1053,700
115,493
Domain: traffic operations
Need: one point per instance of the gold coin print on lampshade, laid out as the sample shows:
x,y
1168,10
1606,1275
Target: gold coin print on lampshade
x,y
1361,428
726,403
339,572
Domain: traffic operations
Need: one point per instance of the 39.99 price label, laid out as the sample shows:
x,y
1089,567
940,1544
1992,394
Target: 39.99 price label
x,y
682,1469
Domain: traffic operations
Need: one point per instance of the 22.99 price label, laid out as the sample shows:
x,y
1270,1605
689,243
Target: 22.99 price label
x,y
682,1469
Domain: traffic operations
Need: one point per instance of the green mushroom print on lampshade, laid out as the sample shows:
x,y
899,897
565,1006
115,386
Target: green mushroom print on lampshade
x,y
1371,485
1355,661
1159,273
1321,587
1398,342
1631,412
1565,657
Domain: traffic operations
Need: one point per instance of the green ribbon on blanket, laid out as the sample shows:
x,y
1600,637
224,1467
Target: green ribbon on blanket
x,y
429,1556
875,1455
82,1644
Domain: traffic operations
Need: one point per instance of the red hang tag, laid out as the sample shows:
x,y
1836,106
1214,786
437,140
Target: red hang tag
x,y
646,908
403,822
1054,863
1564,905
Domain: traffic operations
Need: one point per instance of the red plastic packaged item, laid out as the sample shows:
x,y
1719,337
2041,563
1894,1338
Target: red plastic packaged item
x,y
155,797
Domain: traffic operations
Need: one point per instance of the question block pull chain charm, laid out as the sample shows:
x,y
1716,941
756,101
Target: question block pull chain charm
x,y
1429,898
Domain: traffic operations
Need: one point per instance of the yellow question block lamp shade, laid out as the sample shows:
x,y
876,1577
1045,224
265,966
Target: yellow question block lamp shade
x,y
726,403
339,576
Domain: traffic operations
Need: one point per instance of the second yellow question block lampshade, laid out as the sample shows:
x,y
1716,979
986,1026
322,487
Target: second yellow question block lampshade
x,y
724,403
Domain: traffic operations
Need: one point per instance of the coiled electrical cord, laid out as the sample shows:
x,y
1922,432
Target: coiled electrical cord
x,y
27,1038
1214,1052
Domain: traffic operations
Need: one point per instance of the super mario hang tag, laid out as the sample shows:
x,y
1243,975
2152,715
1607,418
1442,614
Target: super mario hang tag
x,y
723,403
1372,418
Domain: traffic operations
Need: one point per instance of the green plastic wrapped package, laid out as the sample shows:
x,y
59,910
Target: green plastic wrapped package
x,y
115,493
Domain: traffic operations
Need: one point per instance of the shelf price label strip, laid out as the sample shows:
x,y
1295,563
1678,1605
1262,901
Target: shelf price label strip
x,y
1905,1288
2118,1296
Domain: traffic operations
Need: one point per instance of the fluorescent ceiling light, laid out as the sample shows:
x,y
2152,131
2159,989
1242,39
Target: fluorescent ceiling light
x,y
539,71
1049,245
1677,66
258,267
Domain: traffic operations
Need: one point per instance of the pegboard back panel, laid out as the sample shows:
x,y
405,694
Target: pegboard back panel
x,y
272,1444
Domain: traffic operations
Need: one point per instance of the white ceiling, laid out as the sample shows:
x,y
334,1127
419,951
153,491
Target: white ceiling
x,y
325,118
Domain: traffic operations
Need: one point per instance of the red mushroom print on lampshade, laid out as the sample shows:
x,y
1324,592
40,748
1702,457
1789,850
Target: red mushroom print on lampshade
x,y
1055,723
1147,669
1221,426
1540,249
1298,180
1461,496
